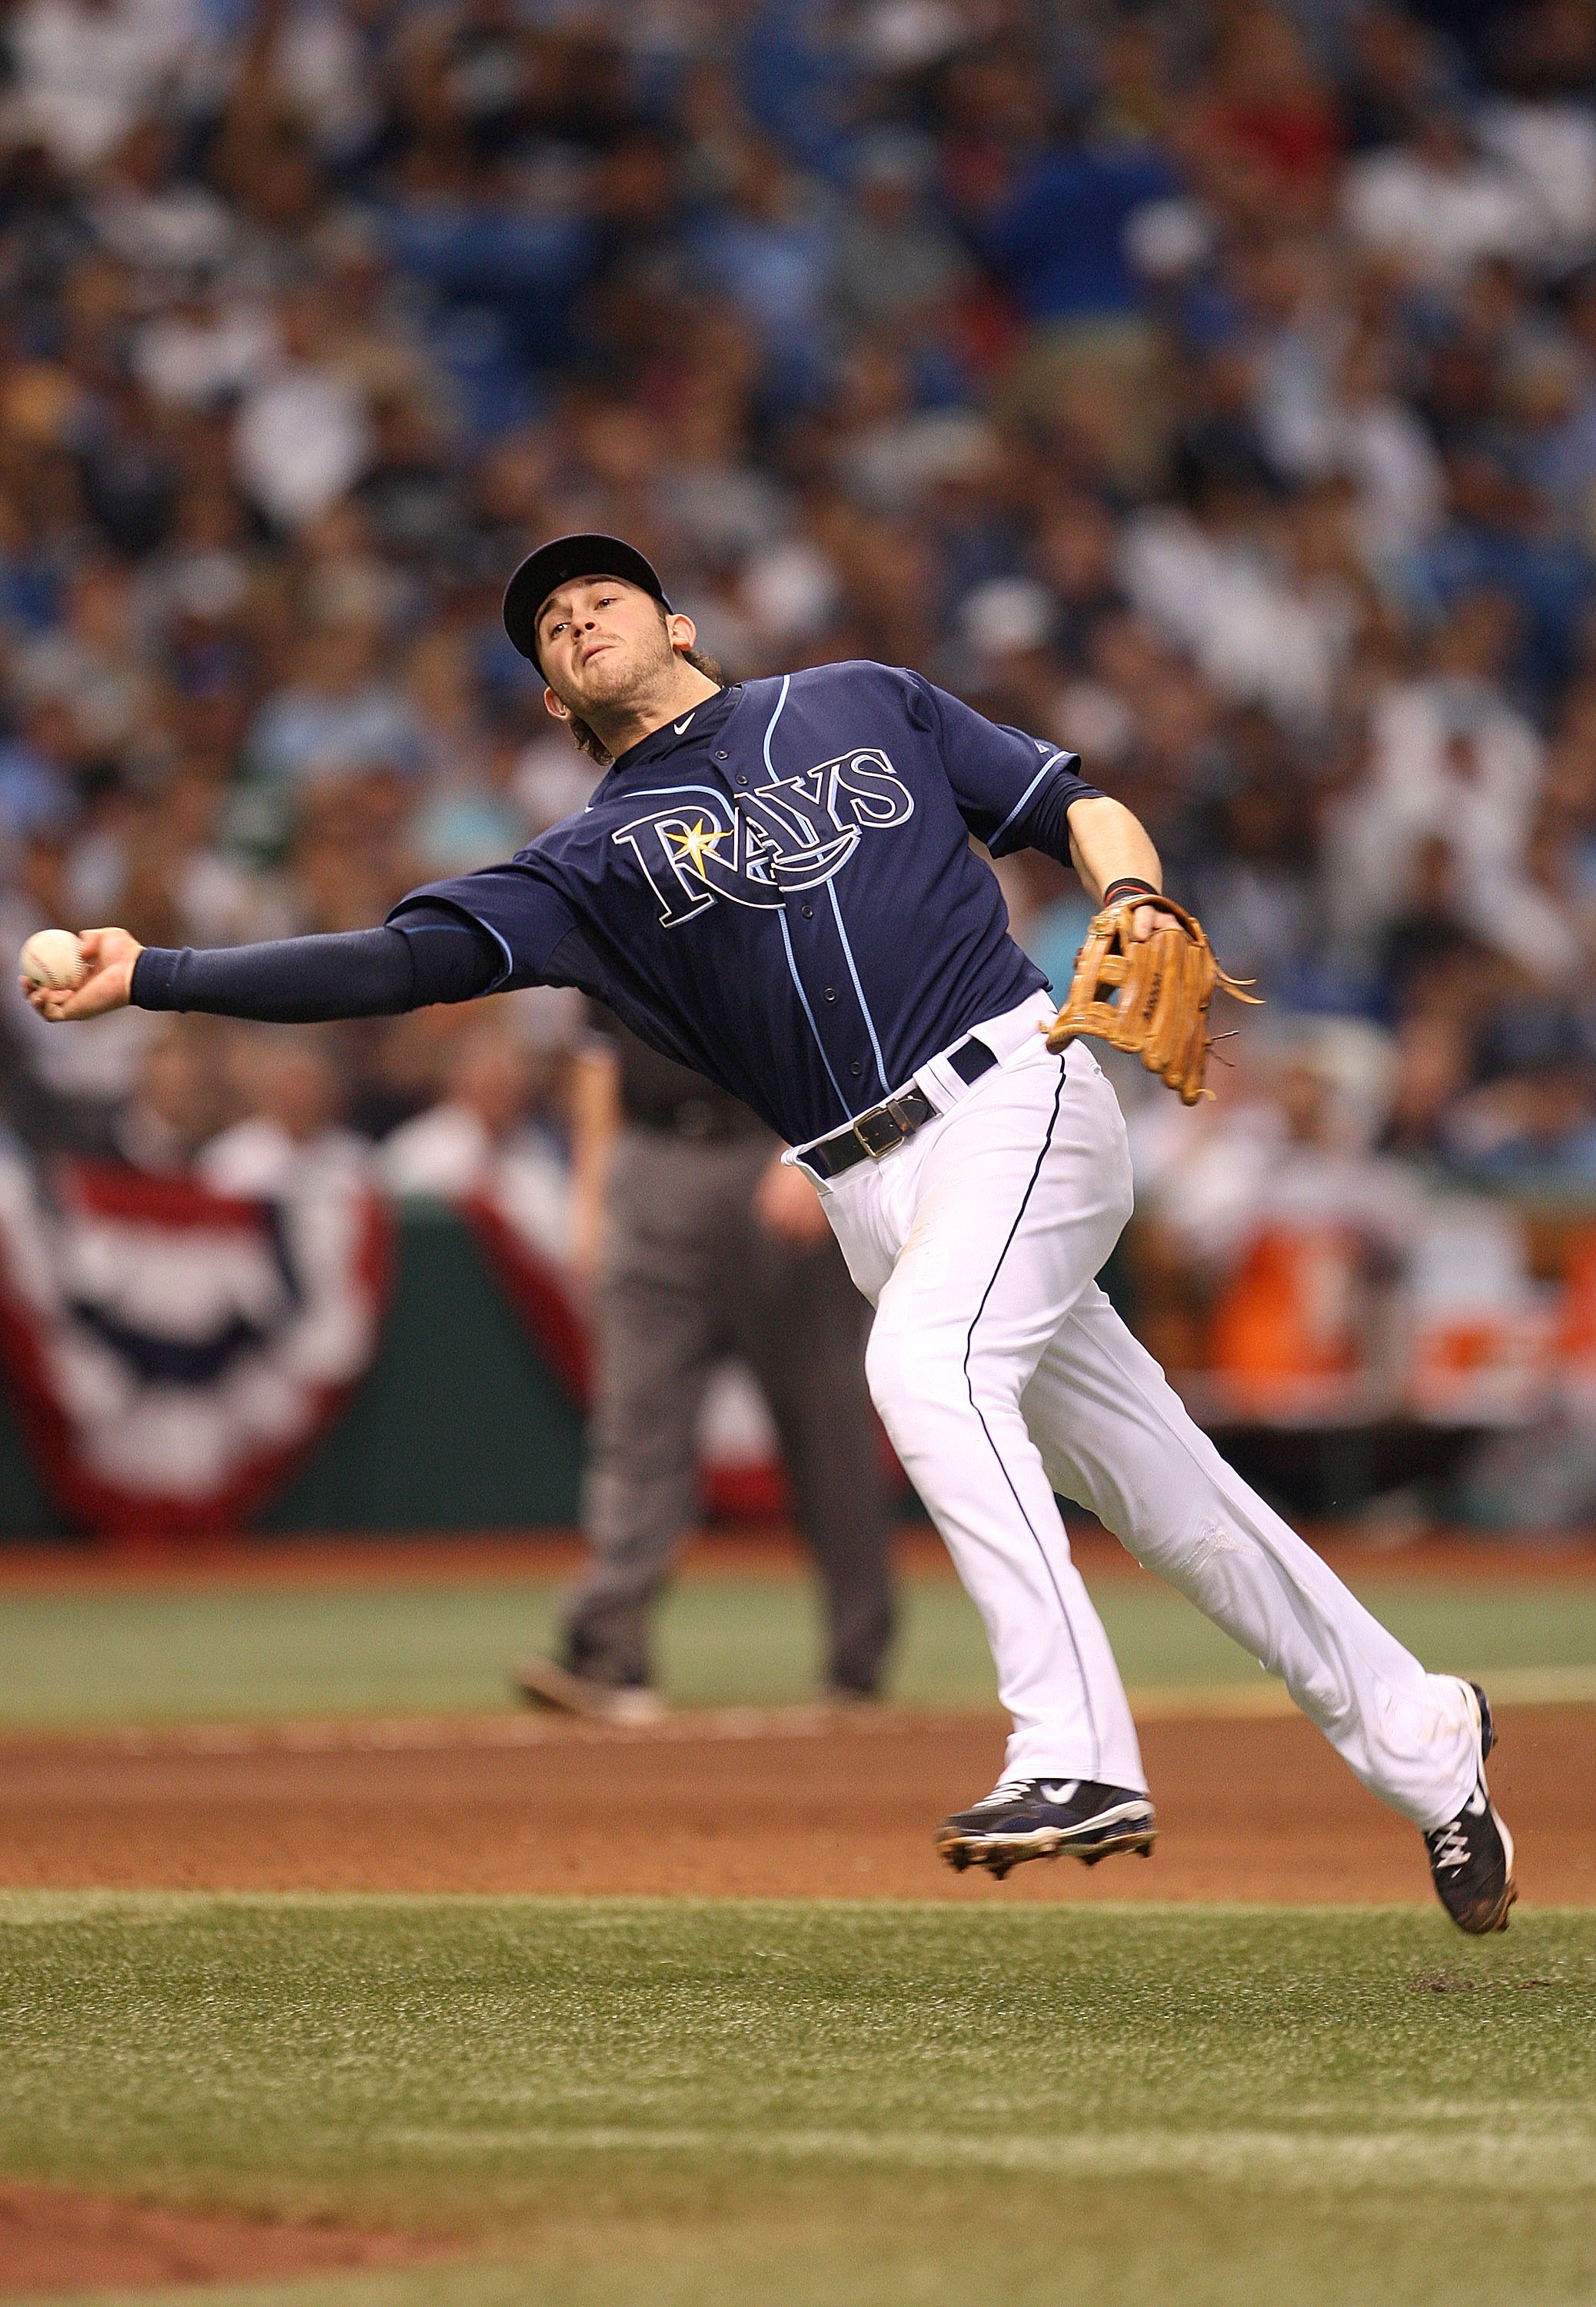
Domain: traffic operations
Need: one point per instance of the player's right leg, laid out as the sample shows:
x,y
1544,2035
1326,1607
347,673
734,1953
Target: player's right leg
x,y
976,1241
1115,1435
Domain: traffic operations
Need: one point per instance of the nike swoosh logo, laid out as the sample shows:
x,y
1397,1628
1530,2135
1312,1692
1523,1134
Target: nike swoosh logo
x,y
680,725
1060,1794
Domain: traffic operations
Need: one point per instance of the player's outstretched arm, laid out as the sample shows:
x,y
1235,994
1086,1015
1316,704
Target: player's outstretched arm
x,y
436,957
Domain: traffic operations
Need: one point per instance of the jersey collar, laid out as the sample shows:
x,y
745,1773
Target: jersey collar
x,y
680,735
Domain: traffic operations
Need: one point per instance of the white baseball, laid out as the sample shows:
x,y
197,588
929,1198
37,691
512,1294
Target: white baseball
x,y
52,957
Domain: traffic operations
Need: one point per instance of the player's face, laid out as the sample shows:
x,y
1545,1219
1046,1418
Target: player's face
x,y
602,641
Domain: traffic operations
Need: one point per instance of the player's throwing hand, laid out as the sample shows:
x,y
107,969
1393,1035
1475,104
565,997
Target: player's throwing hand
x,y
110,955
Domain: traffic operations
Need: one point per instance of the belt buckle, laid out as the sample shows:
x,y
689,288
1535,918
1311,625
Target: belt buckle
x,y
880,1118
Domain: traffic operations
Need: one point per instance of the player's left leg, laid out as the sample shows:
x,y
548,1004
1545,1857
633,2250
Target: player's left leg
x,y
1115,1435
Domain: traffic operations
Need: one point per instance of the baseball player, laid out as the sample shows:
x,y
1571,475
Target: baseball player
x,y
775,885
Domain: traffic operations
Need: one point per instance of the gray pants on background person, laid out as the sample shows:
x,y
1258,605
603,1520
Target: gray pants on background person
x,y
690,1276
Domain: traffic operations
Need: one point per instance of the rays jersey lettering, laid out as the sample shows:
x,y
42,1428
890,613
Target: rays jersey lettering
x,y
790,835
850,929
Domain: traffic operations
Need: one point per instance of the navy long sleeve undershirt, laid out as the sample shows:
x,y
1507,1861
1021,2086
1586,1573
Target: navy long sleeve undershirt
x,y
432,954
436,955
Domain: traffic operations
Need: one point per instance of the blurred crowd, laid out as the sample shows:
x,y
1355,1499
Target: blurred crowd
x,y
1208,385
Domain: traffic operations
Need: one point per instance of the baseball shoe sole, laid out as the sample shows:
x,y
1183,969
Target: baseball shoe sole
x,y
1040,1818
1471,1857
543,1682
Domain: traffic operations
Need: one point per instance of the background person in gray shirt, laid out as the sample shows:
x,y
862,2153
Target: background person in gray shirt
x,y
700,1245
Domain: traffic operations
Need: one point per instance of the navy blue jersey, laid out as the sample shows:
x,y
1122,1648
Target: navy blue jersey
x,y
779,890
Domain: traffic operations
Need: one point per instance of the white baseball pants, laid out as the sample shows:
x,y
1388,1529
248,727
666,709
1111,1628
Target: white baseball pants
x,y
1003,1375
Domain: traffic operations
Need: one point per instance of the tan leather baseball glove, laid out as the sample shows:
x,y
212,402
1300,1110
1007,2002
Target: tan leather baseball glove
x,y
1149,994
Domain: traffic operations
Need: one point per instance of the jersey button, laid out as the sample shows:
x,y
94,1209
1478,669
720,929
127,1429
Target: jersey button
x,y
740,779
856,1069
830,993
808,912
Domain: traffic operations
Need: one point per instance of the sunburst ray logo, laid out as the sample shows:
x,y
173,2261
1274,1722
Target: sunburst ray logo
x,y
694,843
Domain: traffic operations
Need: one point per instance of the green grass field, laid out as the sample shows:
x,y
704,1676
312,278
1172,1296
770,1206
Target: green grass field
x,y
621,2103
829,2105
211,1653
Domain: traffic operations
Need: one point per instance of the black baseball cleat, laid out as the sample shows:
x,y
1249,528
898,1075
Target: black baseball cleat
x,y
1471,1857
1047,1818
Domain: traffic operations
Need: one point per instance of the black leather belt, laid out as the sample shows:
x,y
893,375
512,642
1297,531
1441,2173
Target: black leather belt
x,y
884,1128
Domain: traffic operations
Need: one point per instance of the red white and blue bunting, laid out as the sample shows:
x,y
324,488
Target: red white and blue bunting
x,y
740,1473
174,1352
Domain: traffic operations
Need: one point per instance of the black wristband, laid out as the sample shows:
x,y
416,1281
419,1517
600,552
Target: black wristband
x,y
1116,889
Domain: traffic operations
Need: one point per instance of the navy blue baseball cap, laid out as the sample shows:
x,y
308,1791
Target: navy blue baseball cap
x,y
556,563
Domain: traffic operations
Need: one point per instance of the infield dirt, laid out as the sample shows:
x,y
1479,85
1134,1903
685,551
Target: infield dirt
x,y
59,2239
740,1805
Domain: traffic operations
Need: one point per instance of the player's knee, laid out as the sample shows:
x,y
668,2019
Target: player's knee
x,y
926,1381
910,1357
994,1372
1191,1547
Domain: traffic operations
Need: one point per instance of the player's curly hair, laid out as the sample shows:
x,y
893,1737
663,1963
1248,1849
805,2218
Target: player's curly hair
x,y
582,737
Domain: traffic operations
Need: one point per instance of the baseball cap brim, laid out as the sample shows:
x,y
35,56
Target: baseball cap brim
x,y
556,563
